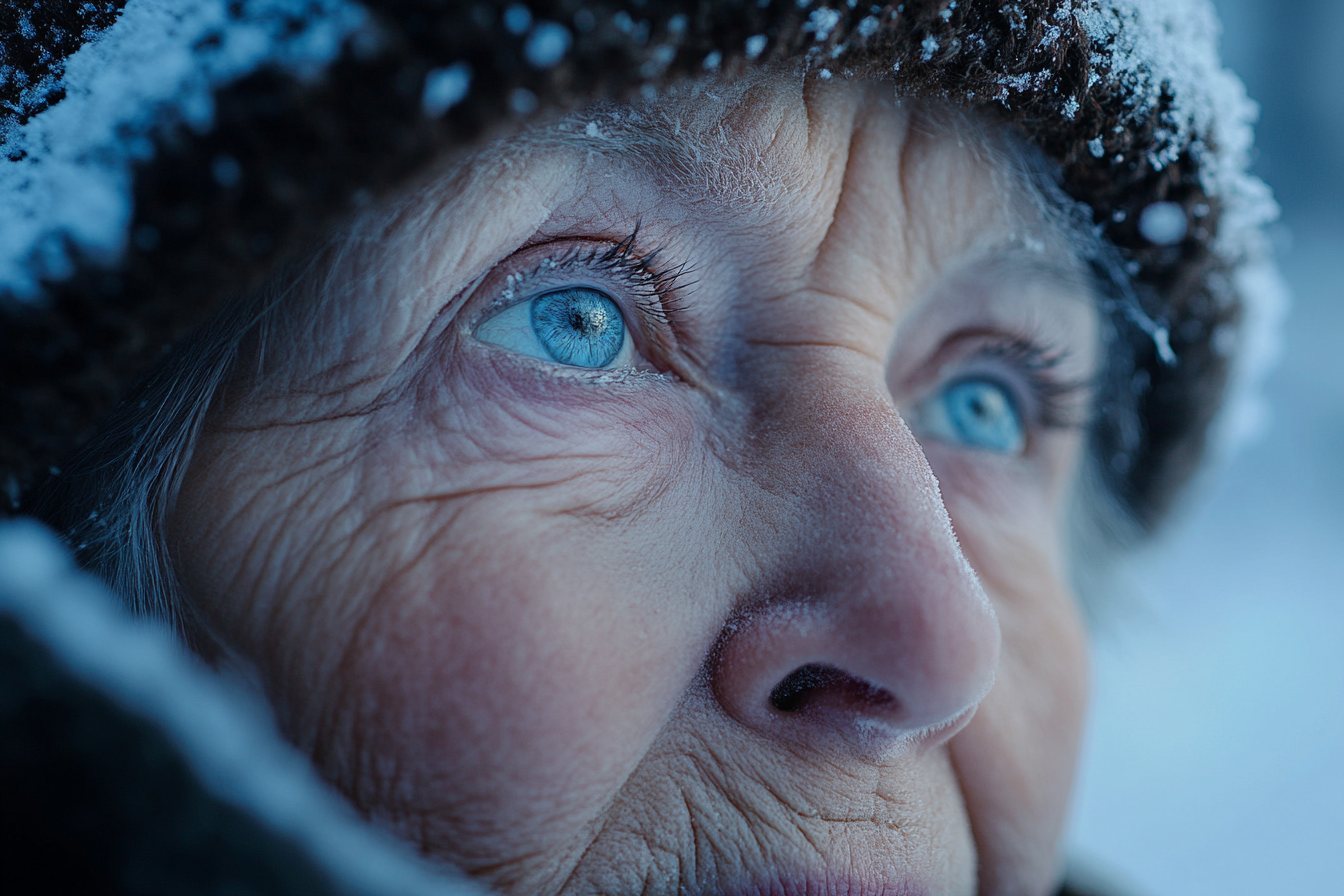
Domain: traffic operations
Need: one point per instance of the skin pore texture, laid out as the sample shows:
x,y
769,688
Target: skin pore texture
x,y
544,621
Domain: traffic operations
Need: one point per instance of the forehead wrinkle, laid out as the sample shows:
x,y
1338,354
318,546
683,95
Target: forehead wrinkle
x,y
869,204
727,153
983,212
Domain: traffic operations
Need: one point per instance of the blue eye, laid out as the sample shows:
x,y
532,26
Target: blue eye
x,y
976,413
578,326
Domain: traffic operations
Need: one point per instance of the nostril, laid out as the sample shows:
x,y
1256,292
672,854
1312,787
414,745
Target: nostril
x,y
816,684
800,685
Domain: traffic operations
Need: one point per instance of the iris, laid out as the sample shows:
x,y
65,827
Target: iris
x,y
977,413
578,326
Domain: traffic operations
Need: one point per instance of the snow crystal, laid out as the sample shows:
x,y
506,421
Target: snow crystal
x,y
1097,147
712,61
585,21
868,26
445,88
1164,48
821,22
755,45
547,44
929,46
1163,223
226,171
158,63
523,101
824,74
658,60
517,19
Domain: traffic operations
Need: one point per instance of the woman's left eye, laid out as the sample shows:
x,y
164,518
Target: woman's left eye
x,y
974,412
577,326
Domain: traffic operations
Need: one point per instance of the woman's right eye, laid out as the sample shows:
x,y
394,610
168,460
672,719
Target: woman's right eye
x,y
577,326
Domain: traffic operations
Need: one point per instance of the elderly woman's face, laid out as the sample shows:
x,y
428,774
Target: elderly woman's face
x,y
672,502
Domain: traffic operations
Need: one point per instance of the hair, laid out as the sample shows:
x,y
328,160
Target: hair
x,y
115,499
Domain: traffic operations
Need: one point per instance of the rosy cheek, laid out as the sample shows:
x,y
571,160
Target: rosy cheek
x,y
476,681
515,620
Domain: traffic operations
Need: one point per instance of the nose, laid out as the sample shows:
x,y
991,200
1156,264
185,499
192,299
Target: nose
x,y
867,625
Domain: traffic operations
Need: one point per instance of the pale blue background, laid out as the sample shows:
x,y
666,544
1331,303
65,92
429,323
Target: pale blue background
x,y
1215,757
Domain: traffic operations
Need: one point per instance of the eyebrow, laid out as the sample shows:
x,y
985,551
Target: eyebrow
x,y
1036,261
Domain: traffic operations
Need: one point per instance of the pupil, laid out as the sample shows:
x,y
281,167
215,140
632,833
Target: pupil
x,y
587,321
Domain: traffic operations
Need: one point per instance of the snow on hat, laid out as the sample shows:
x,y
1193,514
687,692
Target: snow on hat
x,y
158,157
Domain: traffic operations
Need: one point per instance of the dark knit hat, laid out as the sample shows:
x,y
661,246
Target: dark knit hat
x,y
160,158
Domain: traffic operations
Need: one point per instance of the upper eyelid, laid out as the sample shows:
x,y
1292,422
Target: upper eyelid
x,y
1052,400
1021,350
653,292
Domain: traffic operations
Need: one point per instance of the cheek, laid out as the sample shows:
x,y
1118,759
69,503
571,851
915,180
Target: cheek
x,y
1016,758
516,671
488,708
482,627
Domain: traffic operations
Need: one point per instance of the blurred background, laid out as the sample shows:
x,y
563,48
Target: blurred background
x,y
1215,754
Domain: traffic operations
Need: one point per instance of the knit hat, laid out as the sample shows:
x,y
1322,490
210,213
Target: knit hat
x,y
161,157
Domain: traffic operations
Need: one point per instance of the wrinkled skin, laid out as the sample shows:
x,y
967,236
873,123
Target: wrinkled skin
x,y
531,617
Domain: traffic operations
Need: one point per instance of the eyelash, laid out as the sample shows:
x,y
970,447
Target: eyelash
x,y
656,290
1055,400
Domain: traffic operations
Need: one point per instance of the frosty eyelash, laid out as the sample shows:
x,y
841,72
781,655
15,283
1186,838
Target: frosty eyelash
x,y
655,289
1057,402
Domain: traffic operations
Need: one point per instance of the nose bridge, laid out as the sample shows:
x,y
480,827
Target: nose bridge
x,y
871,613
858,480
